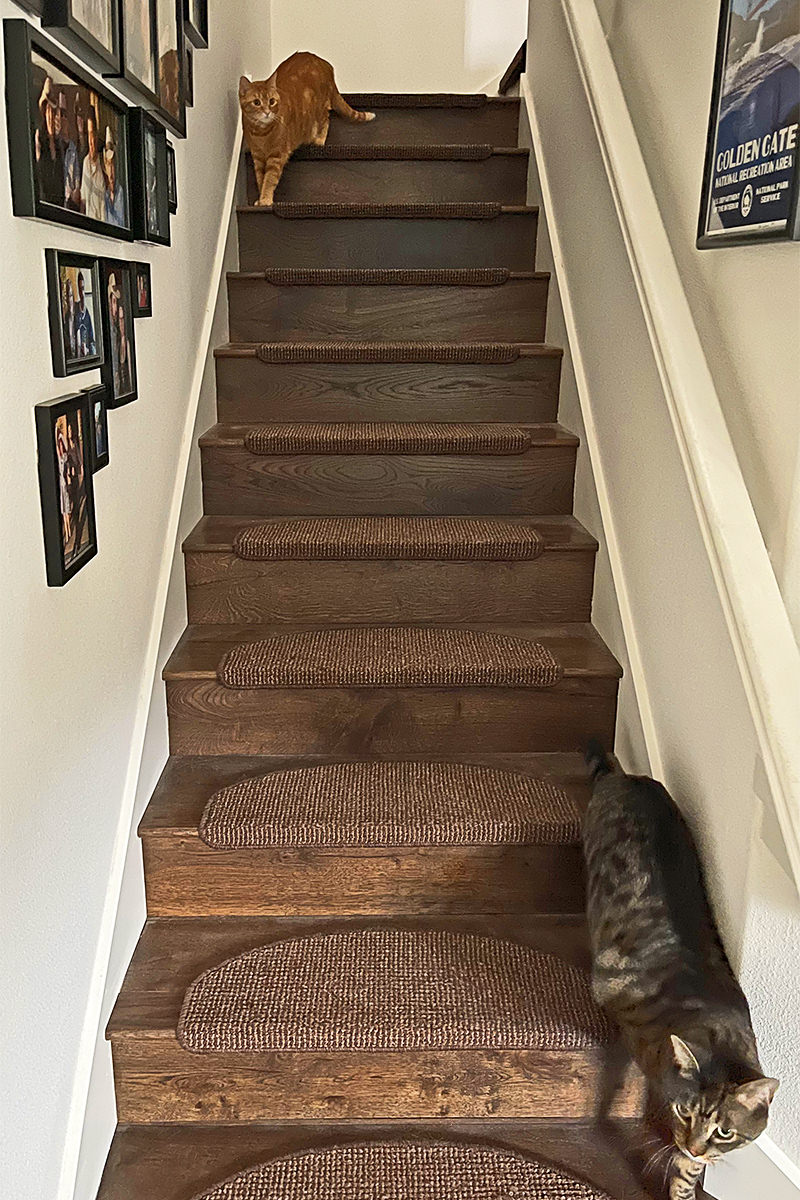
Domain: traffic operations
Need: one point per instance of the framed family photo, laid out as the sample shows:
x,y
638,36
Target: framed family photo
x,y
142,290
172,179
119,369
98,427
73,293
188,70
65,486
138,68
89,27
67,138
195,16
171,82
751,176
150,177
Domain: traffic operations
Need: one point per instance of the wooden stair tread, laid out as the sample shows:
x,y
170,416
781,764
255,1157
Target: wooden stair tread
x,y
172,952
541,435
577,646
186,783
162,1162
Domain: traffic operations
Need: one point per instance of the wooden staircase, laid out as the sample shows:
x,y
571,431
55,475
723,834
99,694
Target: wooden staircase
x,y
190,1120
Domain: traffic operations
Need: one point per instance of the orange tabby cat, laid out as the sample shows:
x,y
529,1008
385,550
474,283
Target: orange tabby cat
x,y
290,109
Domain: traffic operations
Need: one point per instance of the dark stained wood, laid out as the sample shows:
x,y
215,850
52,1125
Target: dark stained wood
x,y
238,483
514,311
266,240
515,69
151,1162
496,122
556,586
250,390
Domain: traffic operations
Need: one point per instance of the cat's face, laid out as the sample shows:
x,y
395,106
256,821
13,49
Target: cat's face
x,y
259,101
708,1120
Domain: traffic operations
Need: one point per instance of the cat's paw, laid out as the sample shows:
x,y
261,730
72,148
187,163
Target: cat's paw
x,y
368,116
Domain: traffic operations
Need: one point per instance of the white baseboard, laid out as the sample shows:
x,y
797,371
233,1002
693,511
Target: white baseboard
x,y
762,1170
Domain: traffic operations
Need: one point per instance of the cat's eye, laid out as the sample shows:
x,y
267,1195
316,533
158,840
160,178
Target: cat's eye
x,y
257,102
272,101
725,1135
683,1111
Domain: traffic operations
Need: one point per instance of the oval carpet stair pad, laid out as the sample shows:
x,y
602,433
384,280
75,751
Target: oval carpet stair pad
x,y
389,656
466,211
389,352
386,989
403,1171
454,153
390,804
386,277
452,539
388,437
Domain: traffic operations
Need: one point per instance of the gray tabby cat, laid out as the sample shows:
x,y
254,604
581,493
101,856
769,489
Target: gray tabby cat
x,y
661,974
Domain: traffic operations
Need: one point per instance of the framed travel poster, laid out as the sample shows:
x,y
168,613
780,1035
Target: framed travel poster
x,y
750,179
63,432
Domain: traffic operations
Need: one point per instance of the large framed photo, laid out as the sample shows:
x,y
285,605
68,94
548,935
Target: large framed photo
x,y
150,175
171,83
138,70
73,291
195,15
98,427
119,370
89,27
67,138
65,486
751,177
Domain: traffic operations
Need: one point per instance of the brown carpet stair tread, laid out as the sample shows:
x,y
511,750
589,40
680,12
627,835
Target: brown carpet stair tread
x,y
576,646
404,1170
390,989
388,352
445,151
520,350
381,437
419,99
390,804
455,539
465,210
468,277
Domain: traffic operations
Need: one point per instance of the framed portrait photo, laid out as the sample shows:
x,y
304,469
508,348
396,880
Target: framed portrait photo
x,y
137,74
188,71
171,107
67,139
119,369
150,178
63,432
172,179
98,427
89,27
73,303
142,290
195,16
751,176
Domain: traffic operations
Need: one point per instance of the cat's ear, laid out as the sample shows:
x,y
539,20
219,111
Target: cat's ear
x,y
759,1093
244,86
684,1058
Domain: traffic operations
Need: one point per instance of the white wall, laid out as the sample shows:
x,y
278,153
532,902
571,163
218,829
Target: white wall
x,y
408,46
73,658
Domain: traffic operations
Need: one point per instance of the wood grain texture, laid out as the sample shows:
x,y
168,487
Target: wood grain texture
x,y
250,390
266,240
495,123
514,311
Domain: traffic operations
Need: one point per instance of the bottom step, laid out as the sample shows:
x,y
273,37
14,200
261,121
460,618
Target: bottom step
x,y
175,1163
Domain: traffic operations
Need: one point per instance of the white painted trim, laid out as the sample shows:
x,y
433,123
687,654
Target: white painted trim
x,y
755,613
93,1015
760,1170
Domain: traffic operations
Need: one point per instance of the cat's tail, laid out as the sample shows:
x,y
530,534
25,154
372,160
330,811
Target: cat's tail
x,y
598,760
343,109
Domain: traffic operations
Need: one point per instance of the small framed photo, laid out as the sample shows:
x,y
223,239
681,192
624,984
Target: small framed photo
x,y
142,290
65,486
172,179
171,107
67,139
76,332
138,71
195,16
119,370
189,73
98,427
150,175
90,28
751,176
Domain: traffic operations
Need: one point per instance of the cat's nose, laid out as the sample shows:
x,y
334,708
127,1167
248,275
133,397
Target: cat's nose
x,y
697,1147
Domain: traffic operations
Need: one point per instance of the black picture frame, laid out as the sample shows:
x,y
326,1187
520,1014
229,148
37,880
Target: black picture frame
x,y
751,177
31,6
43,87
150,177
142,290
137,76
65,486
98,426
189,73
195,19
67,21
119,374
171,105
76,333
172,179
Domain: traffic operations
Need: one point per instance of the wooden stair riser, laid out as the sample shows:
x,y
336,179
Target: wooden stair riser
x,y
206,718
238,483
157,1081
249,390
495,123
500,179
186,878
266,240
263,312
555,587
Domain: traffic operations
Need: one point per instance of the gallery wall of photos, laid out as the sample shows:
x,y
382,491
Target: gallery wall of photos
x,y
97,158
